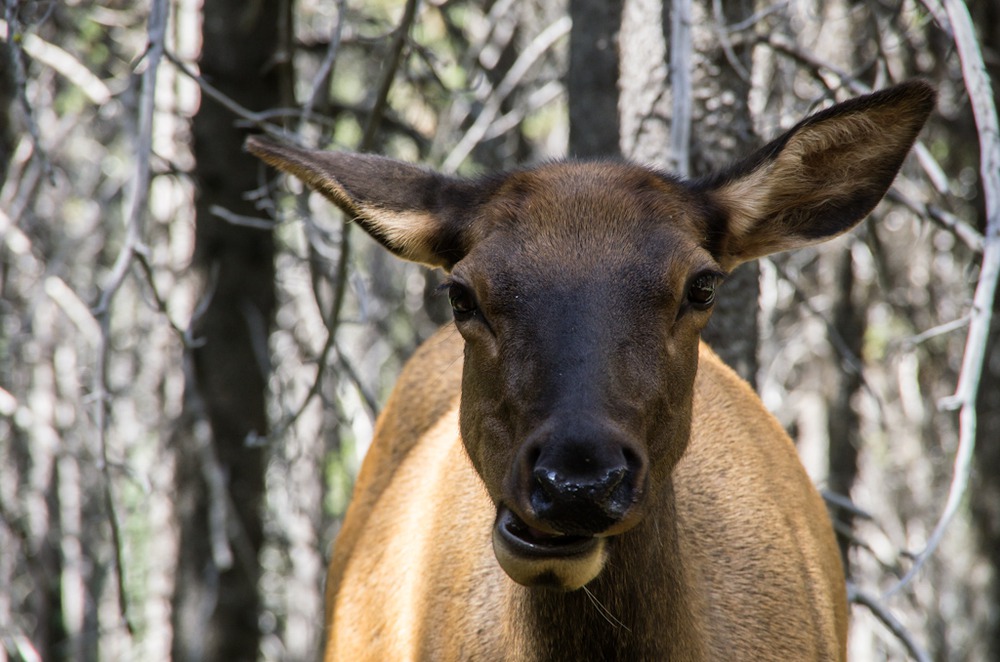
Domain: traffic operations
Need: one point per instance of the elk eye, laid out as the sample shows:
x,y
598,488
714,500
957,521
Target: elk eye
x,y
701,291
462,300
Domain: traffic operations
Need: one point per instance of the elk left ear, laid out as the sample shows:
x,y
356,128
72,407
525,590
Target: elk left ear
x,y
416,213
820,178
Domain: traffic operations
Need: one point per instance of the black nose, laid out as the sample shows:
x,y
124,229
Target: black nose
x,y
581,488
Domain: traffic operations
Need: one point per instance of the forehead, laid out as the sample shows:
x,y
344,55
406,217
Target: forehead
x,y
578,219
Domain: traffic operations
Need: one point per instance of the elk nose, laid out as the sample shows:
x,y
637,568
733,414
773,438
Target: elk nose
x,y
556,486
580,494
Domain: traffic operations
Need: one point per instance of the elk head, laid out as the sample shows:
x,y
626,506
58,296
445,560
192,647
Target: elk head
x,y
581,289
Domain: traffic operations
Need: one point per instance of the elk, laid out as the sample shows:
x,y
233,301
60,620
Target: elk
x,y
568,472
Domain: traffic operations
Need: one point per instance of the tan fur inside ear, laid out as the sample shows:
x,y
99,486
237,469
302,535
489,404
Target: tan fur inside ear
x,y
817,164
846,160
407,233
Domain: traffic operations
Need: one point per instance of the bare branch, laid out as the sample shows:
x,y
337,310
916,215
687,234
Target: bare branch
x,y
965,232
258,120
981,96
880,612
326,66
161,304
545,39
241,219
513,118
842,502
62,61
12,33
934,332
394,59
722,32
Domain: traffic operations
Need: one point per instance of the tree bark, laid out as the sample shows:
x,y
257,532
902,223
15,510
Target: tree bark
x,y
8,96
848,324
592,80
843,422
220,476
721,131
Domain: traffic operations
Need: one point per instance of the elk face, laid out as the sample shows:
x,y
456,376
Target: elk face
x,y
581,303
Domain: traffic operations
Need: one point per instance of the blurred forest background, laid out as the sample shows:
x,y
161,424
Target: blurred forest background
x,y
193,351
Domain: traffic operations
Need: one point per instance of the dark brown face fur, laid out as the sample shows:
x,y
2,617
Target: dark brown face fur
x,y
581,341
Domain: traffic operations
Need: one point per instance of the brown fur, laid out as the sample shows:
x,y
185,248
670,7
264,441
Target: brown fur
x,y
573,410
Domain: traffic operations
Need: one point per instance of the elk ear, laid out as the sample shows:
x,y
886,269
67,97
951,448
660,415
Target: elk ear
x,y
819,179
416,213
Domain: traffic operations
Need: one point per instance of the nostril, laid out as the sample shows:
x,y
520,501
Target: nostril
x,y
633,460
551,483
612,480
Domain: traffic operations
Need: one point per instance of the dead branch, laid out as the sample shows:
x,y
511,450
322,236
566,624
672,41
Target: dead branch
x,y
538,47
977,83
885,616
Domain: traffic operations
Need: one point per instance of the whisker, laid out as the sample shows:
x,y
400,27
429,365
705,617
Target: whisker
x,y
604,611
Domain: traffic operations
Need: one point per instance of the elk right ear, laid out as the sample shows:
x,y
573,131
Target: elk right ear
x,y
416,213
820,178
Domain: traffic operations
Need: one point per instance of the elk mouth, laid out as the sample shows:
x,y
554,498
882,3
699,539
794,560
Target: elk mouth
x,y
532,557
529,541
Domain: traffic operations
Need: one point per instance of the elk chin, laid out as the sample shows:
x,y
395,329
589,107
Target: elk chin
x,y
534,558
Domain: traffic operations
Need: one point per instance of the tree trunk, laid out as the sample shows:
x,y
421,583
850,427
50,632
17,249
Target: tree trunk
x,y
592,80
721,131
843,422
8,96
220,476
849,321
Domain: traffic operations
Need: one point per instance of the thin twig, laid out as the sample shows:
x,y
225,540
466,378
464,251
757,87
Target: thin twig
x,y
538,47
850,361
400,36
967,234
242,220
258,120
934,332
981,97
14,38
319,82
753,19
886,618
722,34
513,118
65,63
161,304
783,44
842,502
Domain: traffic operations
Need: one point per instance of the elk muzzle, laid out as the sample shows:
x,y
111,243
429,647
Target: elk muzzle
x,y
574,483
